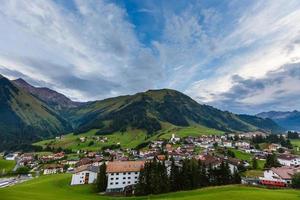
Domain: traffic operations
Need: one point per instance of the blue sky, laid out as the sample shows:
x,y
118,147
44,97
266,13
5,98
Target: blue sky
x,y
237,55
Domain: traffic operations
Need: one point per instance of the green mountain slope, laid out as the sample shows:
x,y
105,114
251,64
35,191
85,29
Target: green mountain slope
x,y
25,118
150,109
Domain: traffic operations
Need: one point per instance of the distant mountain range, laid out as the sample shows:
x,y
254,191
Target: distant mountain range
x,y
287,120
30,113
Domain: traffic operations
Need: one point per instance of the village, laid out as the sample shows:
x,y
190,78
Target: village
x,y
275,162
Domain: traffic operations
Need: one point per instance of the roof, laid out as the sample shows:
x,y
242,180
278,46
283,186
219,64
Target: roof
x,y
124,166
91,168
210,160
285,172
53,166
286,157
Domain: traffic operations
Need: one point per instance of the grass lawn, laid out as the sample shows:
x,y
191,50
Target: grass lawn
x,y
57,187
248,157
296,145
127,139
254,173
6,165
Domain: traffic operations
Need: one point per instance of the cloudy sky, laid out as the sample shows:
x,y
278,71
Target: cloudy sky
x,y
237,55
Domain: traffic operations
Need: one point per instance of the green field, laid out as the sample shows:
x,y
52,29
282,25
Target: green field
x,y
248,157
128,139
6,165
296,145
57,187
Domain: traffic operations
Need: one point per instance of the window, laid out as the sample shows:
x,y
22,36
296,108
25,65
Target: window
x,y
129,173
136,172
129,177
124,177
111,183
117,173
117,178
112,174
124,173
135,181
124,182
117,183
128,182
135,177
111,178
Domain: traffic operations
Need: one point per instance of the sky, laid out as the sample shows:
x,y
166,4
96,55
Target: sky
x,y
237,55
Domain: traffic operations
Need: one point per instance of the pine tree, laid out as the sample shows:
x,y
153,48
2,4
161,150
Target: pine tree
x,y
174,179
236,178
254,163
271,161
101,182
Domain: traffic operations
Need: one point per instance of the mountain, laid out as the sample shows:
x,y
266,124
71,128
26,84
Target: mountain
x,y
288,120
52,98
149,110
24,118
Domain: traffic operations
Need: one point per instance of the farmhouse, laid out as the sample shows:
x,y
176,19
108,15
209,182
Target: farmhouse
x,y
122,174
53,169
85,174
280,176
288,160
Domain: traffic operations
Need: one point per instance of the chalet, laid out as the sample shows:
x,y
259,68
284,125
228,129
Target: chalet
x,y
53,169
209,160
288,160
85,174
84,161
122,174
280,176
273,147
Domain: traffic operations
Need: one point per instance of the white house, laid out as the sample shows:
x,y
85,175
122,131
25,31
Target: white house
x,y
11,156
288,160
122,174
279,176
53,169
85,174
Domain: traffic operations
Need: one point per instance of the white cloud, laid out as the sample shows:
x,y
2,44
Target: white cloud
x,y
96,42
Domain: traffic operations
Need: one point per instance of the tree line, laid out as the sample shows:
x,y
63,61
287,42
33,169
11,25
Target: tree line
x,y
192,174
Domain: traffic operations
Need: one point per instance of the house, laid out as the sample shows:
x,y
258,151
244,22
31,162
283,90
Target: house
x,y
242,144
280,176
85,174
84,161
274,147
53,169
288,160
122,174
11,156
209,160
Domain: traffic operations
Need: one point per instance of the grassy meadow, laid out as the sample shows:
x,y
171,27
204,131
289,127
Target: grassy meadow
x,y
57,187
6,165
127,139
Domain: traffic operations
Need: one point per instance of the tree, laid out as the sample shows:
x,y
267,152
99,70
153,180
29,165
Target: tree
x,y
23,170
293,135
296,181
101,182
271,161
254,163
236,178
230,153
174,177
